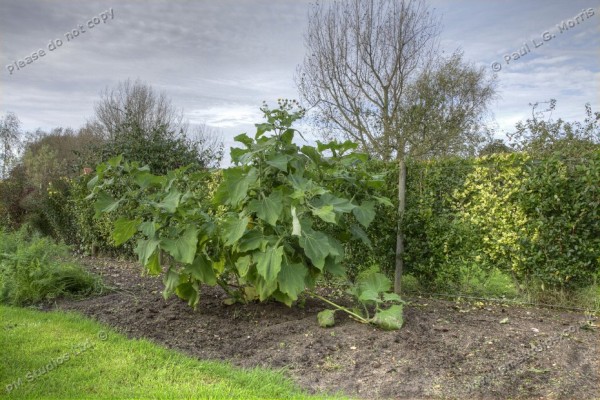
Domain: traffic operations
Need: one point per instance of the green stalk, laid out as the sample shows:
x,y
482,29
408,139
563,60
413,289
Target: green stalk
x,y
355,316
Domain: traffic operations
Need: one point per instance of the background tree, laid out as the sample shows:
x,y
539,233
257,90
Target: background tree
x,y
135,103
10,136
541,134
144,126
373,74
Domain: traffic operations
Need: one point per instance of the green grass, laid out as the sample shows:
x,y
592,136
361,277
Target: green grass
x,y
58,355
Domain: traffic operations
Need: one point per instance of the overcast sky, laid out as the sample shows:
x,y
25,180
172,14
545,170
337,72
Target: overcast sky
x,y
218,60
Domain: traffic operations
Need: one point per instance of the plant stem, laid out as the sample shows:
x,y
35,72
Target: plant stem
x,y
341,308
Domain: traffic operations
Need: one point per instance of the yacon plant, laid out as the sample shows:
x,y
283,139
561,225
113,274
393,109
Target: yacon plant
x,y
266,243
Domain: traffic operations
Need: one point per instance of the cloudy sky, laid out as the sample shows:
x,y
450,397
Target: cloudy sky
x,y
218,60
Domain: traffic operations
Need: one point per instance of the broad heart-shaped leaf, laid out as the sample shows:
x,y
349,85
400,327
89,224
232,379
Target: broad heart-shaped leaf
x,y
171,281
233,229
336,249
153,265
262,128
236,154
245,139
189,291
326,318
268,263
282,298
338,204
105,203
392,297
279,161
145,179
368,296
390,319
252,240
148,228
235,184
359,233
265,289
268,208
315,244
242,265
365,213
201,269
149,255
291,279
125,229
182,249
325,213
145,248
313,154
171,201
375,282
384,200
334,267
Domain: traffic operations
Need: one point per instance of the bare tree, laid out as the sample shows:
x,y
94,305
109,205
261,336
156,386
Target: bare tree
x,y
136,102
373,74
208,143
10,136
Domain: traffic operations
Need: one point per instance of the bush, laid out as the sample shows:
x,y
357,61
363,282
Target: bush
x,y
486,224
35,269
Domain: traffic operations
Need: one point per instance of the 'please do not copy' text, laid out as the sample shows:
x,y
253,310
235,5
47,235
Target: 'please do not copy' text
x,y
54,44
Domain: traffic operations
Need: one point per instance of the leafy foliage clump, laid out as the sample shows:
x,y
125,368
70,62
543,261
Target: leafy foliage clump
x,y
262,237
35,269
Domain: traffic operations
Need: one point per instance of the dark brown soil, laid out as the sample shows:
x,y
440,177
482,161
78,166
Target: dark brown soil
x,y
444,349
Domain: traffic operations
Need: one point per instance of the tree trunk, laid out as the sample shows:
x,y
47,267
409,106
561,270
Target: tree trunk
x,y
399,231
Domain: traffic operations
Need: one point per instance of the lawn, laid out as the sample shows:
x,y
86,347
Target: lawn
x,y
64,355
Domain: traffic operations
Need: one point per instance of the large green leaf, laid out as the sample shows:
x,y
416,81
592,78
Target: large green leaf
x,y
251,240
182,249
291,279
233,229
384,200
326,318
125,229
365,213
171,201
359,233
268,263
146,179
148,228
375,282
390,319
325,213
235,185
244,138
202,270
145,248
279,161
189,291
268,208
265,288
315,244
338,204
243,264
105,203
153,265
171,281
334,267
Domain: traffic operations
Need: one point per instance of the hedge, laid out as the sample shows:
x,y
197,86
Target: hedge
x,y
534,219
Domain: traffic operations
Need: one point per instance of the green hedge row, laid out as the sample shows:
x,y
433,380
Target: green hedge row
x,y
535,220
